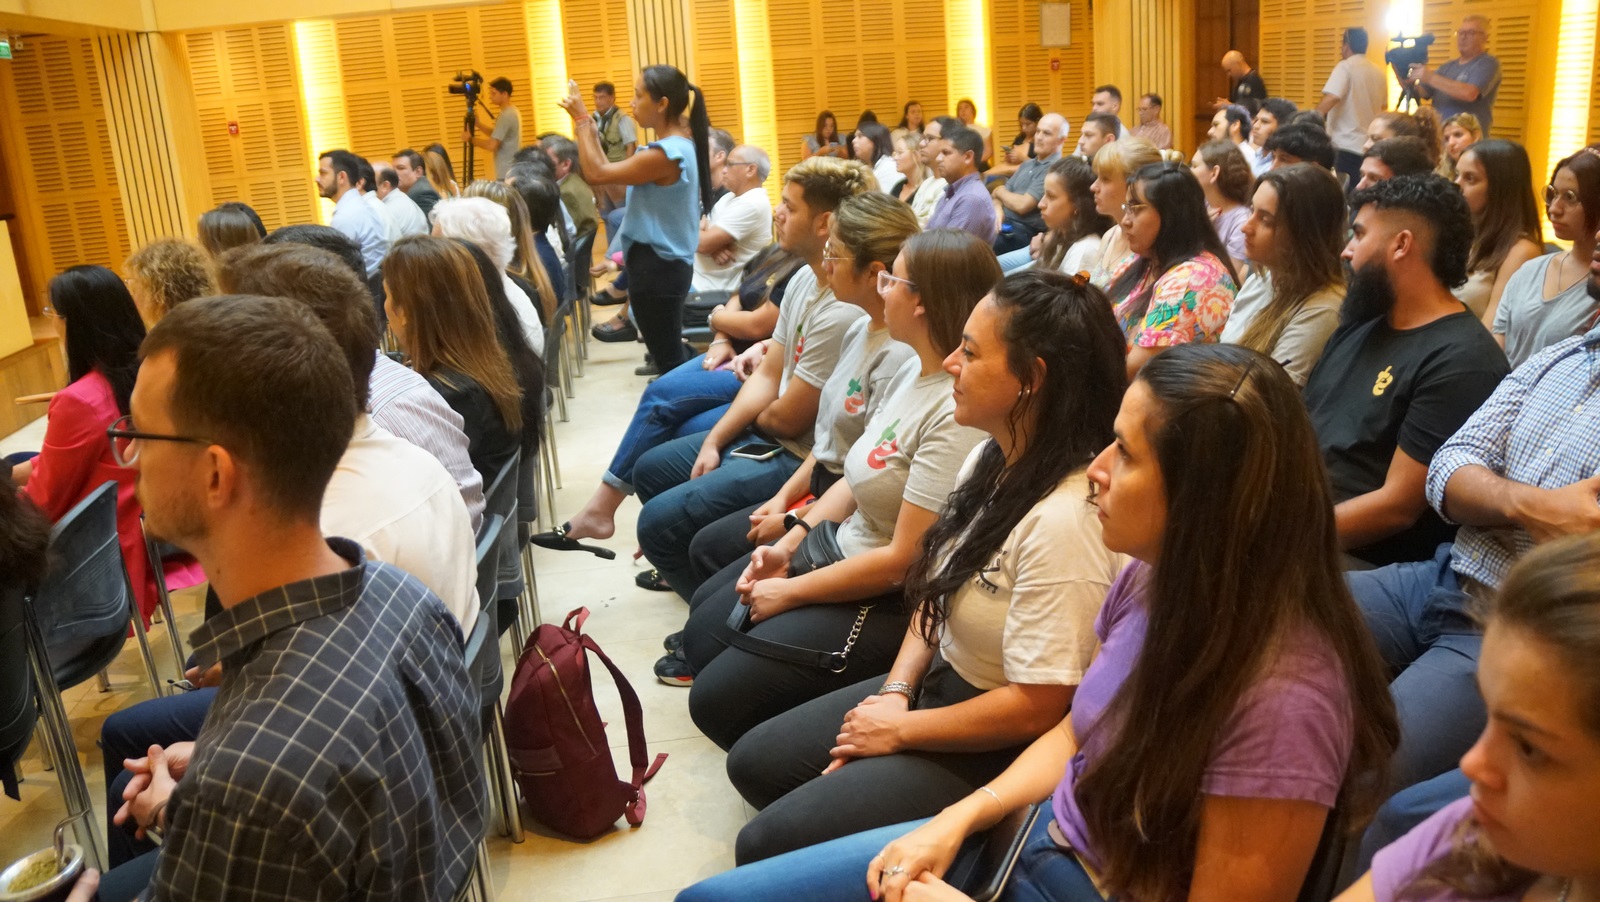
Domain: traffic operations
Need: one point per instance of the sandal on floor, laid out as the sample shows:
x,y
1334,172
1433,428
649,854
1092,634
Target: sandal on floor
x,y
614,330
604,298
651,579
556,540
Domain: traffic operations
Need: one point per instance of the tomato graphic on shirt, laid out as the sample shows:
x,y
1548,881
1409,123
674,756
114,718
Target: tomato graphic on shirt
x,y
888,446
854,398
799,342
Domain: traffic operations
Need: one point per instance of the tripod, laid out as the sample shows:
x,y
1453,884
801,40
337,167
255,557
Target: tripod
x,y
469,152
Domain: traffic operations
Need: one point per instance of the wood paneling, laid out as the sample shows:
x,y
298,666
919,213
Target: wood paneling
x,y
145,137
1594,94
1020,69
1148,45
1511,39
598,47
715,63
1300,43
31,371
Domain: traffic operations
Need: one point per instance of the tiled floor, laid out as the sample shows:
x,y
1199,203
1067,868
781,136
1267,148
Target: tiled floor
x,y
693,812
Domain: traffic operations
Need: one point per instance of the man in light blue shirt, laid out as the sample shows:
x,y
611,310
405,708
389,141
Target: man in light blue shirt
x,y
338,172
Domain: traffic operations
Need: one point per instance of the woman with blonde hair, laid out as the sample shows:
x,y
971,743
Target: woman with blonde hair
x,y
1113,165
920,188
442,175
439,312
488,225
525,262
1459,132
165,273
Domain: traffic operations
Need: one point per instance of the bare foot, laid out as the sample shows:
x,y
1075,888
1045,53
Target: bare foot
x,y
597,519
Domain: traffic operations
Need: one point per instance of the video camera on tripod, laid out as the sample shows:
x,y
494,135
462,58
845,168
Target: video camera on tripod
x,y
1406,53
468,83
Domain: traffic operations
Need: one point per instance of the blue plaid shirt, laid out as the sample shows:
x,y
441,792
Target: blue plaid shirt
x,y
340,759
1541,427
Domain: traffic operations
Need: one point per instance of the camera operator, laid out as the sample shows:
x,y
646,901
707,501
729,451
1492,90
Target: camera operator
x,y
1467,84
502,137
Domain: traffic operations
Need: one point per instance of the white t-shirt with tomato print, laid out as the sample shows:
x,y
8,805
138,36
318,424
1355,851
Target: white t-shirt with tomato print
x,y
810,335
856,390
911,450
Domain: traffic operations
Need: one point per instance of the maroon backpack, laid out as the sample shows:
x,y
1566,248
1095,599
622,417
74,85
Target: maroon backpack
x,y
557,741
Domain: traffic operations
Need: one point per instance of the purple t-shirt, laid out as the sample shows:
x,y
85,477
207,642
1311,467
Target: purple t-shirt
x,y
1400,862
1289,738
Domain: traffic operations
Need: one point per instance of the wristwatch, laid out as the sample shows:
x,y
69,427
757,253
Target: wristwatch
x,y
792,519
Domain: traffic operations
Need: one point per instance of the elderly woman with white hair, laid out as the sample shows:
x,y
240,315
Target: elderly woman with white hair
x,y
487,224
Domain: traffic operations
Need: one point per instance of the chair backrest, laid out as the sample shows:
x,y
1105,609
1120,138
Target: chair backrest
x,y
528,489
483,646
18,713
553,334
84,604
578,260
501,495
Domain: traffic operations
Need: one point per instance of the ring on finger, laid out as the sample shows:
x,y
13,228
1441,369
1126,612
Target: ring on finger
x,y
892,871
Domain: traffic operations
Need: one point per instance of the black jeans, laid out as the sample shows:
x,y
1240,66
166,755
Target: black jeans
x,y
735,690
656,289
776,768
724,541
1348,165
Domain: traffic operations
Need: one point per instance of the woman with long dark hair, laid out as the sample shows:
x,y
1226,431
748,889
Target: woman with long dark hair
x,y
1237,697
527,366
1224,174
824,139
1290,303
229,225
1497,181
872,146
669,187
1021,147
1178,284
1527,832
1071,242
1006,590
99,325
910,121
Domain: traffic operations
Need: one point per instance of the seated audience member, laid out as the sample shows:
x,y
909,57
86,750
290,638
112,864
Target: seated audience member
x,y
1290,303
897,478
866,235
404,213
825,139
1098,130
871,145
315,637
412,170
739,226
533,275
228,226
1393,157
1527,832
966,204
1106,101
1232,124
1497,180
1227,181
1300,143
165,273
576,195
1176,285
1545,301
1312,117
1458,133
1150,126
1235,699
933,135
525,365
1021,148
440,314
719,143
1422,125
338,180
488,225
967,115
910,121
1019,196
441,174
541,197
1520,472
1072,243
1113,166
1405,369
692,481
1273,114
367,187
1005,592
919,187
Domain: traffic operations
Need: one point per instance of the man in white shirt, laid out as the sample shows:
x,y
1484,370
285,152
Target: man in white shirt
x,y
404,213
1354,95
740,224
338,173
369,196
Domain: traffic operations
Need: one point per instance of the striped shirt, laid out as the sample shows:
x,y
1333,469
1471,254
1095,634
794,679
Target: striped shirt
x,y
1541,427
405,405
340,758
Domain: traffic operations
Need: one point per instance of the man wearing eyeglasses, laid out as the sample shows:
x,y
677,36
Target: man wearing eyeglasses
x,y
1467,84
739,225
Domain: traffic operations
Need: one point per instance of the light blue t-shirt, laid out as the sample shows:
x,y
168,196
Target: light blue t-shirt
x,y
667,217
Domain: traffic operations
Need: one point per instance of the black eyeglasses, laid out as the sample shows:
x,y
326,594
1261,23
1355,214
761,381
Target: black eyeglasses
x,y
125,441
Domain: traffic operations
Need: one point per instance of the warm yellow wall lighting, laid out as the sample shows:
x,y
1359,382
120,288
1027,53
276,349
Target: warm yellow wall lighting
x,y
1404,17
321,93
758,107
547,49
1569,113
966,53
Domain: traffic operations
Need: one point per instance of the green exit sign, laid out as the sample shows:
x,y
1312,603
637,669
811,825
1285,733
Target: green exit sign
x,y
5,49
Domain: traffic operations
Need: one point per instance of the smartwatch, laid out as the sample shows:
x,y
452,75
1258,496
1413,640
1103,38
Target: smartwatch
x,y
792,519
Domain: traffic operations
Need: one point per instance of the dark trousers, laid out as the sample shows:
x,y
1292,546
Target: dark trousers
x,y
725,541
776,767
736,690
1348,165
657,290
129,733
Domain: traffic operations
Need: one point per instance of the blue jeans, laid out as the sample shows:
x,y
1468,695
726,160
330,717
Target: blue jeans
x,y
837,871
1013,261
1418,614
676,507
682,401
129,733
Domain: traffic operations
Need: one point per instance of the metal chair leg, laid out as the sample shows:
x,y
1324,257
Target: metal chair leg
x,y
485,879
102,682
551,452
511,805
144,647
164,600
57,735
530,591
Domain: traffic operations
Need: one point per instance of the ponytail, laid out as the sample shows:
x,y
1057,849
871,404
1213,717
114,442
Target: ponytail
x,y
669,82
700,128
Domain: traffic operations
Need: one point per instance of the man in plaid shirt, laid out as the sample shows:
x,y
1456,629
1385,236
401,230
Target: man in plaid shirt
x,y
340,759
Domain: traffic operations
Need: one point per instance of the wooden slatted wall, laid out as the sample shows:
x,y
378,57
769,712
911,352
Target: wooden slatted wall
x,y
1147,45
144,140
58,138
1300,43
598,47
661,32
247,76
1594,94
1020,69
715,63
1513,24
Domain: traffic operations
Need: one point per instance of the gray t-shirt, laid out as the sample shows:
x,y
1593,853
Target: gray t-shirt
x,y
1483,72
1529,322
508,131
856,390
1300,345
1359,85
912,450
1029,180
810,334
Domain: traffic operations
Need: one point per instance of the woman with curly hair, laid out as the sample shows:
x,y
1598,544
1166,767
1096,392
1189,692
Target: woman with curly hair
x,y
165,273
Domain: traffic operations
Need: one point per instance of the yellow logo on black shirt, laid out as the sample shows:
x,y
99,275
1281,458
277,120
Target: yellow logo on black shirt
x,y
1385,379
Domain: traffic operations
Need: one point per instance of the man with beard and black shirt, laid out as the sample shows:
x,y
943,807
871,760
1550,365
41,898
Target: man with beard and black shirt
x,y
1404,370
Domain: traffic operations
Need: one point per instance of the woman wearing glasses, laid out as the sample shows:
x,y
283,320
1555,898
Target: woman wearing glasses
x,y
1178,284
1545,300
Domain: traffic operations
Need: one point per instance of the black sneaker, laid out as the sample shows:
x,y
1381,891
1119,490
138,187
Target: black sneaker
x,y
673,642
648,369
674,670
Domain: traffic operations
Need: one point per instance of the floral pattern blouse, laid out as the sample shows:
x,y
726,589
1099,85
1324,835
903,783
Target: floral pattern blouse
x,y
1189,302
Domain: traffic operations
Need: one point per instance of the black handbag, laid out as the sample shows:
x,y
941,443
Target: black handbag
x,y
818,549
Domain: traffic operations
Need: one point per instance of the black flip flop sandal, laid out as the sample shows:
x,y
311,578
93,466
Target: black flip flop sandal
x,y
556,540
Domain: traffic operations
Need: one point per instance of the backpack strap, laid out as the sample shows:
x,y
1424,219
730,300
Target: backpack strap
x,y
633,714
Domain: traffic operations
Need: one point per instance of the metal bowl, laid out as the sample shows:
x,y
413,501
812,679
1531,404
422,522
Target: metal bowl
x,y
53,890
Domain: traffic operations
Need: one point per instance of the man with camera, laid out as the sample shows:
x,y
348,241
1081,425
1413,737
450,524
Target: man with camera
x,y
1467,84
503,136
1354,94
